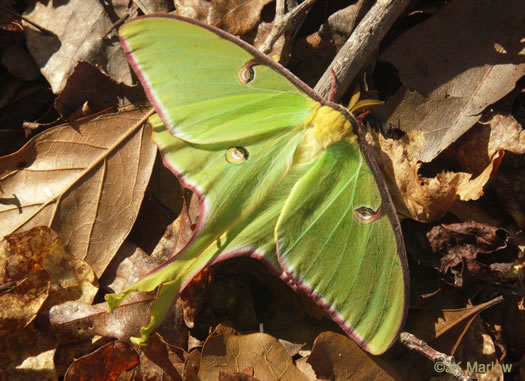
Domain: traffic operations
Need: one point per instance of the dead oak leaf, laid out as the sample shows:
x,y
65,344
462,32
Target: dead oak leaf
x,y
85,181
228,352
462,242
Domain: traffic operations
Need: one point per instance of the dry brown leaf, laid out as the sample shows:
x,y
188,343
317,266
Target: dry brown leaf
x,y
82,321
484,143
70,278
422,199
30,351
20,304
453,72
88,85
128,266
193,9
86,182
105,364
78,28
159,360
506,134
179,232
68,351
430,325
235,16
427,199
468,190
228,352
191,366
337,357
461,243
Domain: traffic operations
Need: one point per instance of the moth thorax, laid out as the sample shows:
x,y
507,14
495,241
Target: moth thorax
x,y
325,127
329,126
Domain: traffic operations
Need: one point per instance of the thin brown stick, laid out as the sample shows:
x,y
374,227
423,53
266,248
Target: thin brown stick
x,y
18,15
285,21
360,46
442,361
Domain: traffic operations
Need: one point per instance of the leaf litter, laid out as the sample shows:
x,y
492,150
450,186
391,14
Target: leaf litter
x,y
458,168
62,177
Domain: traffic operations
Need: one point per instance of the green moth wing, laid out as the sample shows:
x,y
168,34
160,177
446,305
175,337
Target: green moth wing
x,y
334,217
280,174
241,223
207,85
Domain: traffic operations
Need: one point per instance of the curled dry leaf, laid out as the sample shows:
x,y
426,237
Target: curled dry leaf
x,y
86,182
235,16
506,134
479,153
257,354
179,232
461,243
427,199
78,29
451,72
474,150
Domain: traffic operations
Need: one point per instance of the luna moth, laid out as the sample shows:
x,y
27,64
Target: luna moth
x,y
281,174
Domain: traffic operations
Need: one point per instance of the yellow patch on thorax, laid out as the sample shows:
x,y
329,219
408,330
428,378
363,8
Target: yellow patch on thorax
x,y
325,127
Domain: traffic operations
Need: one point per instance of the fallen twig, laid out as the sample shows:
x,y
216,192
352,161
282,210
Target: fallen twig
x,y
360,46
